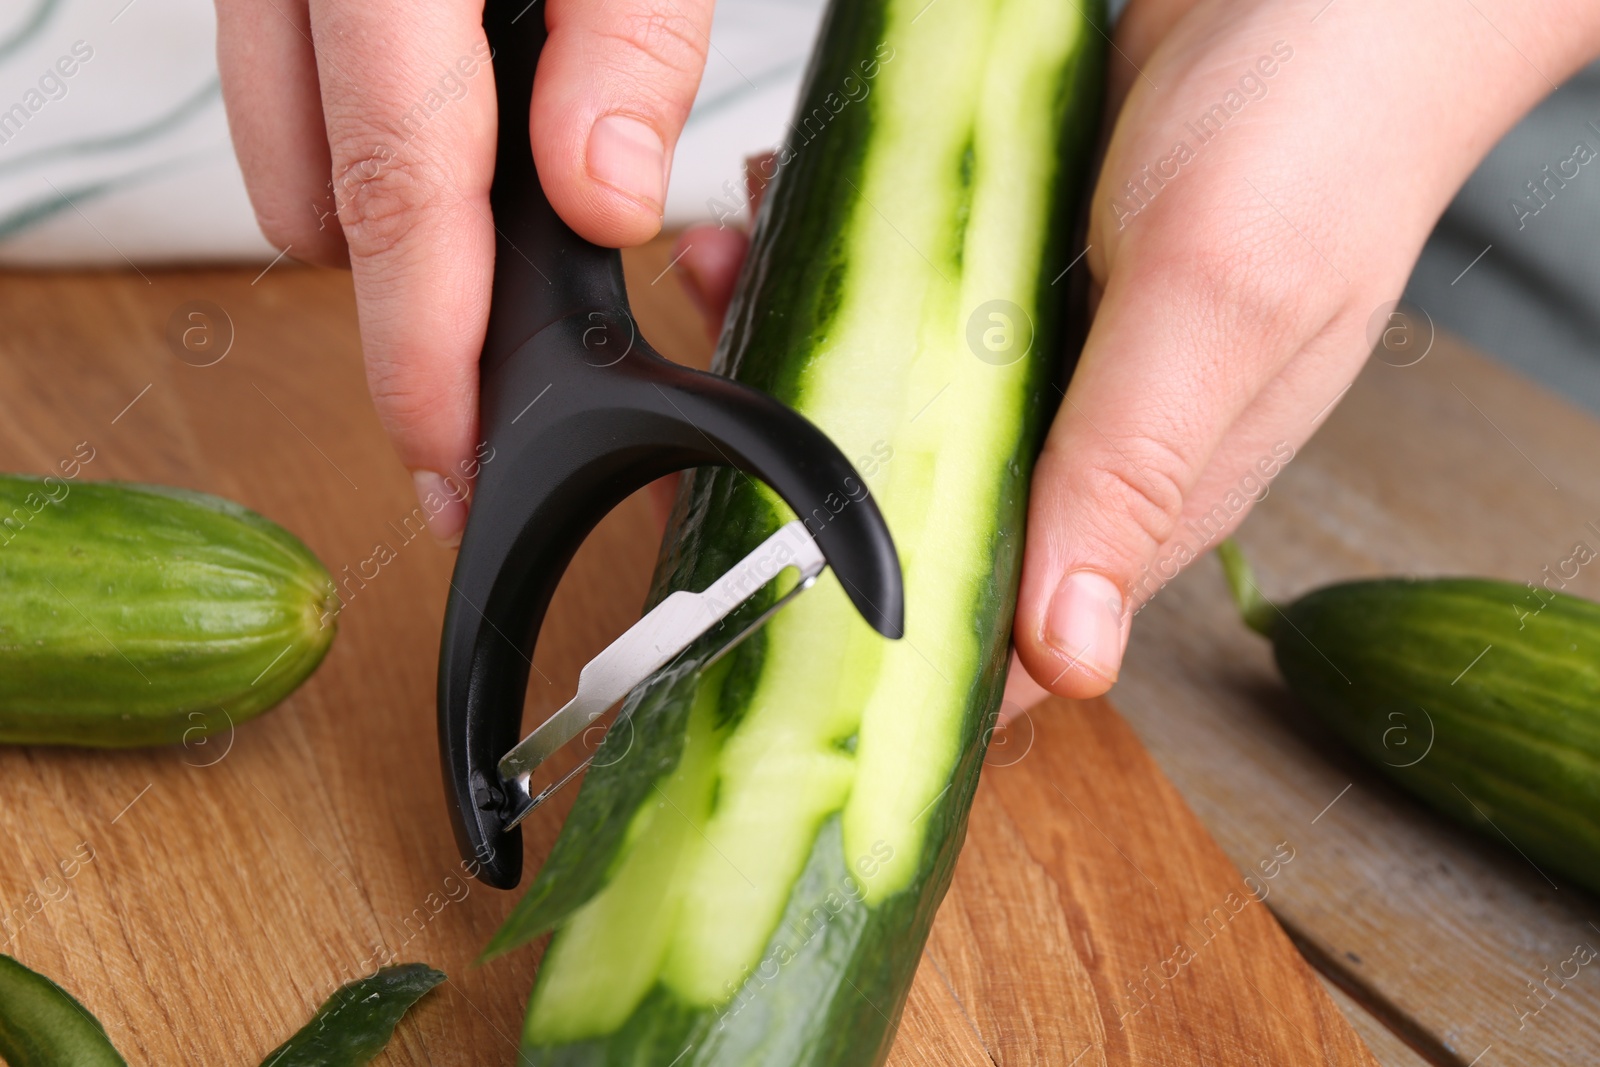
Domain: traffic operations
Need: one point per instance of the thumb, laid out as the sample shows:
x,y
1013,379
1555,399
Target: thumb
x,y
613,89
1158,415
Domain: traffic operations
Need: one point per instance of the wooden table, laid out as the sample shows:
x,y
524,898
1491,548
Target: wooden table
x,y
1092,920
1452,465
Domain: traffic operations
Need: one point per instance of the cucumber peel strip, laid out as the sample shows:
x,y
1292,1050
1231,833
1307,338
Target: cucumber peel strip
x,y
355,1024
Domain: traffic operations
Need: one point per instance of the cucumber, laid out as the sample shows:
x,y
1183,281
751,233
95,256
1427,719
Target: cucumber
x,y
42,1025
753,881
1477,696
143,615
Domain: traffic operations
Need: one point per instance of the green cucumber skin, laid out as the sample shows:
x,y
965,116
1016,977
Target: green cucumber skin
x,y
42,1025
1515,740
131,614
838,1001
353,1026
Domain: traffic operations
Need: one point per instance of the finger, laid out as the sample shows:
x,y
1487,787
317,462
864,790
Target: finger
x,y
269,78
409,104
712,256
1189,330
1257,448
1022,694
662,493
613,89
709,259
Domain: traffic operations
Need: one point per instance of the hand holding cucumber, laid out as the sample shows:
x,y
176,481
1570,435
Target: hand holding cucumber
x,y
1273,171
1272,174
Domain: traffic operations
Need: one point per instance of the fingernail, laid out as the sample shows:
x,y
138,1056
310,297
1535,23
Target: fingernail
x,y
444,501
628,155
1085,622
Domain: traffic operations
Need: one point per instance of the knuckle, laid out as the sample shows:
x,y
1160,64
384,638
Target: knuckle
x,y
400,403
1260,284
382,197
1143,479
1248,294
658,37
402,397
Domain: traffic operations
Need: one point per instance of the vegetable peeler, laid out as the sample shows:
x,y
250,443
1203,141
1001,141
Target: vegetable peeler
x,y
580,412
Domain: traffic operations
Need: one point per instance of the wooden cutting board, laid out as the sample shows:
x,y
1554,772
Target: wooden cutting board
x,y
1449,465
218,892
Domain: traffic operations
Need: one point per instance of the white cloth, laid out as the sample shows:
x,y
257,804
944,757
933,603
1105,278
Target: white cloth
x,y
127,158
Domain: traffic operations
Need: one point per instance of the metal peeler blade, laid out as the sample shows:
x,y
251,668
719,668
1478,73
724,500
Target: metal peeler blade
x,y
650,644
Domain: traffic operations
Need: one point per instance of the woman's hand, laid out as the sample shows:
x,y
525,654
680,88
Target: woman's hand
x,y
1273,171
366,131
1272,175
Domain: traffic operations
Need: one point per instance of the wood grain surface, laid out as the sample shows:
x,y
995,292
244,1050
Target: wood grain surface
x,y
1450,465
219,891
1093,921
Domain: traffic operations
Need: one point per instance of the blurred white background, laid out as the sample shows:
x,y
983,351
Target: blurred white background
x,y
127,160
128,157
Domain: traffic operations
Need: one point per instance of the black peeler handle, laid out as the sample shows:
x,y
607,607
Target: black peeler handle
x,y
543,271
578,412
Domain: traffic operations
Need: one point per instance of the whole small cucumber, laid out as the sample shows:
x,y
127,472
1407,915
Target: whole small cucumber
x,y
145,615
1479,700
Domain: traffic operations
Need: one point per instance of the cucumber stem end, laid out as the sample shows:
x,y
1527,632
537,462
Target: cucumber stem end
x,y
1255,609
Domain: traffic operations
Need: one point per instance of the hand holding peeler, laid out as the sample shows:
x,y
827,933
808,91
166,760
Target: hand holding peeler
x,y
580,412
